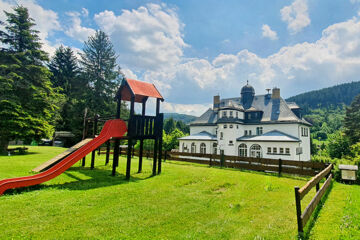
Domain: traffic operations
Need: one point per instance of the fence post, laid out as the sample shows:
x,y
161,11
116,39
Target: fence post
x,y
222,159
210,159
298,210
317,187
280,166
165,156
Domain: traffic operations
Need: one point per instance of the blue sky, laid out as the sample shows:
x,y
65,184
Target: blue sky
x,y
193,50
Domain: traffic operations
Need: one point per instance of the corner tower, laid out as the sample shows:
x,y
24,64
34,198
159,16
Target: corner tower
x,y
247,95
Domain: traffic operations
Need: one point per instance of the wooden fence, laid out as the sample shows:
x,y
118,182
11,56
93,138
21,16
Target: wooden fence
x,y
256,164
300,193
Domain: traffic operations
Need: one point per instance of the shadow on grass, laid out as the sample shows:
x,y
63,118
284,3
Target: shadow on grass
x,y
315,215
97,178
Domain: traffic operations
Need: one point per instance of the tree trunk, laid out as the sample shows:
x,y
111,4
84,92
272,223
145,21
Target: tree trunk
x,y
4,143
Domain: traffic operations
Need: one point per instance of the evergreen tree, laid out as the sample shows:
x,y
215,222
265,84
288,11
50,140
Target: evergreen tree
x,y
28,101
352,120
169,125
98,62
66,75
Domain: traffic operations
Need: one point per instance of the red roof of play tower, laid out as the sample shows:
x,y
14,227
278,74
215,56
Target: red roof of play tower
x,y
138,89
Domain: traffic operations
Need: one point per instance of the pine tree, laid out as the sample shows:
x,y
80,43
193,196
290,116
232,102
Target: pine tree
x,y
28,101
98,62
66,75
352,120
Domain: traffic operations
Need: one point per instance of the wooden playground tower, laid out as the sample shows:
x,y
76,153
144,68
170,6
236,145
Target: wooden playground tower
x,y
140,127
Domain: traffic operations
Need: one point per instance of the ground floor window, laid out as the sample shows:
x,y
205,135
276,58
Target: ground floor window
x,y
242,150
202,148
193,148
215,148
255,151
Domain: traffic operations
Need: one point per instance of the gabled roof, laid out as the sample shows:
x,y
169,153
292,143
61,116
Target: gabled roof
x,y
272,136
138,89
200,136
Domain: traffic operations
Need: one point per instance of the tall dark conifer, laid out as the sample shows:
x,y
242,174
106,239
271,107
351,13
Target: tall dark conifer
x,y
99,67
352,120
28,101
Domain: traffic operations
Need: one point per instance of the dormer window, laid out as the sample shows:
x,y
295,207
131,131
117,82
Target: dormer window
x,y
224,114
231,113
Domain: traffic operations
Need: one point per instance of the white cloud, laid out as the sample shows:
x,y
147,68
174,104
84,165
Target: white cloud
x,y
333,59
296,15
75,30
268,33
190,109
46,20
146,38
85,12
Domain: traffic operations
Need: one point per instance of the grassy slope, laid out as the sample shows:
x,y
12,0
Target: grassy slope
x,y
186,201
339,217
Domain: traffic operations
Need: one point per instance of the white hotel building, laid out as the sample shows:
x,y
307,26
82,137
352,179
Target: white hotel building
x,y
253,126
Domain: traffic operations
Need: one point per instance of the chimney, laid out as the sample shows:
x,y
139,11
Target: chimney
x,y
216,102
275,93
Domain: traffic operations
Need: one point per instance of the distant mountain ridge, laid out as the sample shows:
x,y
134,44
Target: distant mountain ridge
x,y
326,97
180,117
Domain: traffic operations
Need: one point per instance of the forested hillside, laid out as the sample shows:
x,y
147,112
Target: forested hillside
x,y
327,97
180,117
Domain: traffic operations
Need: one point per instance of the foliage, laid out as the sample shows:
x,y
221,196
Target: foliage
x,y
171,141
98,63
170,125
28,102
331,97
352,120
66,75
339,145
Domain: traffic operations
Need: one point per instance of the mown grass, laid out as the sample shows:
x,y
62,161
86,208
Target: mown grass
x,y
187,201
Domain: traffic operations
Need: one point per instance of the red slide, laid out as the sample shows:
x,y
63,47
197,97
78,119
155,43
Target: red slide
x,y
112,128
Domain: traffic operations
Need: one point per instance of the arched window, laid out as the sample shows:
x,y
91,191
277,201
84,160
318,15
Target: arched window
x,y
214,148
242,150
202,148
193,148
255,151
184,148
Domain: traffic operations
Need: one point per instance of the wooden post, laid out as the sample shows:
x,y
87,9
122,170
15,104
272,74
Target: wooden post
x,y
130,134
317,187
115,156
165,156
280,166
107,152
92,159
142,125
160,154
128,162
83,161
155,156
298,210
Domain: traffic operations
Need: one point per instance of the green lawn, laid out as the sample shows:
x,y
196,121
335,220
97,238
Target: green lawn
x,y
187,201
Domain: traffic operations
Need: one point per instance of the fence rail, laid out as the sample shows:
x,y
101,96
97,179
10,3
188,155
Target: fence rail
x,y
255,164
300,193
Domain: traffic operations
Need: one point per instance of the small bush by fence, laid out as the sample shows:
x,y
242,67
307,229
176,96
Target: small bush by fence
x,y
300,193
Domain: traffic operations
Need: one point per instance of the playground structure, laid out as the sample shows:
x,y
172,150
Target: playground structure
x,y
139,127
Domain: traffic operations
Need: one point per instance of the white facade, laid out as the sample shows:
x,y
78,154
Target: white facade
x,y
266,127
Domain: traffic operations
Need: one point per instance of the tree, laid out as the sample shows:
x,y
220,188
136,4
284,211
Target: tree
x,y
170,125
66,75
352,120
98,62
339,145
171,141
28,102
